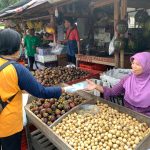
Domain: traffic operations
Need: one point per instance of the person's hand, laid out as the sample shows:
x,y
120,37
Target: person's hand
x,y
91,85
59,42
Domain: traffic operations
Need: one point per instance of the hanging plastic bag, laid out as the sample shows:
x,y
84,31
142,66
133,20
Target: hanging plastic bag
x,y
111,46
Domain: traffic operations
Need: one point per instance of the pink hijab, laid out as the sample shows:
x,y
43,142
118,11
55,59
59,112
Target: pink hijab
x,y
137,88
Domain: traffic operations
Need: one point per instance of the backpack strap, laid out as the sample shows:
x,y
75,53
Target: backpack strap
x,y
4,104
69,33
5,65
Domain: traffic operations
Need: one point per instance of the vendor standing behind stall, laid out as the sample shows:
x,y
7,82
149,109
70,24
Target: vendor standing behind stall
x,y
31,42
72,39
135,86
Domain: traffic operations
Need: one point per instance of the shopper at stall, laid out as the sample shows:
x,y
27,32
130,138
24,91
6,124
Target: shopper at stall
x,y
72,39
13,79
136,86
31,41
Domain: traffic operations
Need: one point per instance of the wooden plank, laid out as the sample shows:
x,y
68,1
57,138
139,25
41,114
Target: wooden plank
x,y
98,60
116,18
101,3
123,16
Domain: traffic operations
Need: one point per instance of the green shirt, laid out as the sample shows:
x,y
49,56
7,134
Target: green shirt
x,y
31,42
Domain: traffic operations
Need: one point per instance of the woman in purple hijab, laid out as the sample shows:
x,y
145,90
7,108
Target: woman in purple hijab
x,y
136,86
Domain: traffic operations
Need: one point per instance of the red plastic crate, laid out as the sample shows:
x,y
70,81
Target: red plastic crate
x,y
86,65
99,67
92,74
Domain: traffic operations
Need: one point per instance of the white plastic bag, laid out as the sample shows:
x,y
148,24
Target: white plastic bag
x,y
24,103
111,46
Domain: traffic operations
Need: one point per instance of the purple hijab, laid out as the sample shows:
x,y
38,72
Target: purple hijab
x,y
137,88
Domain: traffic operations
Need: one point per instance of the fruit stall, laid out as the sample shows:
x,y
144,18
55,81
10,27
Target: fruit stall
x,y
84,121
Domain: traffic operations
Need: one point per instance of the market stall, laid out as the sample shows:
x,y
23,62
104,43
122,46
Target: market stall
x,y
103,25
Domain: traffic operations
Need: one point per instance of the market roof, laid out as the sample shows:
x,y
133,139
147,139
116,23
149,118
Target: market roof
x,y
31,9
17,7
28,9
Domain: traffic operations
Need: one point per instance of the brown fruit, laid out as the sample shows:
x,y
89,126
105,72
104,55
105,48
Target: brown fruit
x,y
57,112
45,115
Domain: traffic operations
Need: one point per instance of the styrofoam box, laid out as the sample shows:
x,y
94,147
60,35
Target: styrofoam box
x,y
44,59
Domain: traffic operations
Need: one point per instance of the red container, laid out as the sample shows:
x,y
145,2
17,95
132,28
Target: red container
x,y
99,67
92,74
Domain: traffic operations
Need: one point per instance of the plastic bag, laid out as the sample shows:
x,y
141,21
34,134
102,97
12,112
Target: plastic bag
x,y
111,46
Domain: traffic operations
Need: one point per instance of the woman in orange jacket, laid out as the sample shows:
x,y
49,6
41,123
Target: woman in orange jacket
x,y
13,79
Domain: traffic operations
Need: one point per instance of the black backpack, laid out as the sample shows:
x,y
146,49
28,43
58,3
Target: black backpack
x,y
4,104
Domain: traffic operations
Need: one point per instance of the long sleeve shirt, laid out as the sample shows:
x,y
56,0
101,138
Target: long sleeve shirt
x,y
119,89
28,83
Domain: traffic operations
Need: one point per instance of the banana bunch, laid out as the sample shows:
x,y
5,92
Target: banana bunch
x,y
50,30
38,25
30,24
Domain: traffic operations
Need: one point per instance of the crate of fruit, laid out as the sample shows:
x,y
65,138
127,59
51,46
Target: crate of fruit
x,y
47,111
100,124
57,75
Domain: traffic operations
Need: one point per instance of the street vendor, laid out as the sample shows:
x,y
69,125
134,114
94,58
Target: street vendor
x,y
13,79
72,39
31,41
136,86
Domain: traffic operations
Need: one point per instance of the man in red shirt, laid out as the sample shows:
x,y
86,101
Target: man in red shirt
x,y
72,39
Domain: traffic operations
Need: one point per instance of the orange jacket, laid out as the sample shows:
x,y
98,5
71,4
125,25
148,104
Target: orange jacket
x,y
11,120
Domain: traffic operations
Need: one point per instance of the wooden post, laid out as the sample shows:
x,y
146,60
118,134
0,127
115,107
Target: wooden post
x,y
116,18
123,15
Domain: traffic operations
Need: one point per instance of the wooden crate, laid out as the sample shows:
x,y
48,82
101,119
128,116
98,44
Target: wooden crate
x,y
143,145
46,130
62,145
40,142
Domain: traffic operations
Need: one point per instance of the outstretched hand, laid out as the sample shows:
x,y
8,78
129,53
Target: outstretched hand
x,y
91,85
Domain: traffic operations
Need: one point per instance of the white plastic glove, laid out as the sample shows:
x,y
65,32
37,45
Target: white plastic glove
x,y
70,89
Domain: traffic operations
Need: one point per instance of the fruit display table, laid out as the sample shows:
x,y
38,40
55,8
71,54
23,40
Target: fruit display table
x,y
133,128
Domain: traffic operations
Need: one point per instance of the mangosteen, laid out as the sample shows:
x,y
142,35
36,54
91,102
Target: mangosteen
x,y
38,103
53,107
53,118
60,106
49,110
63,112
49,123
40,108
66,107
34,109
43,111
47,105
72,104
45,115
57,112
39,116
52,101
36,112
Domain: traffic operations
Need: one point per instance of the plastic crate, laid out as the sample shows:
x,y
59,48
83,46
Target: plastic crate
x,y
43,51
92,74
45,59
99,67
86,65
